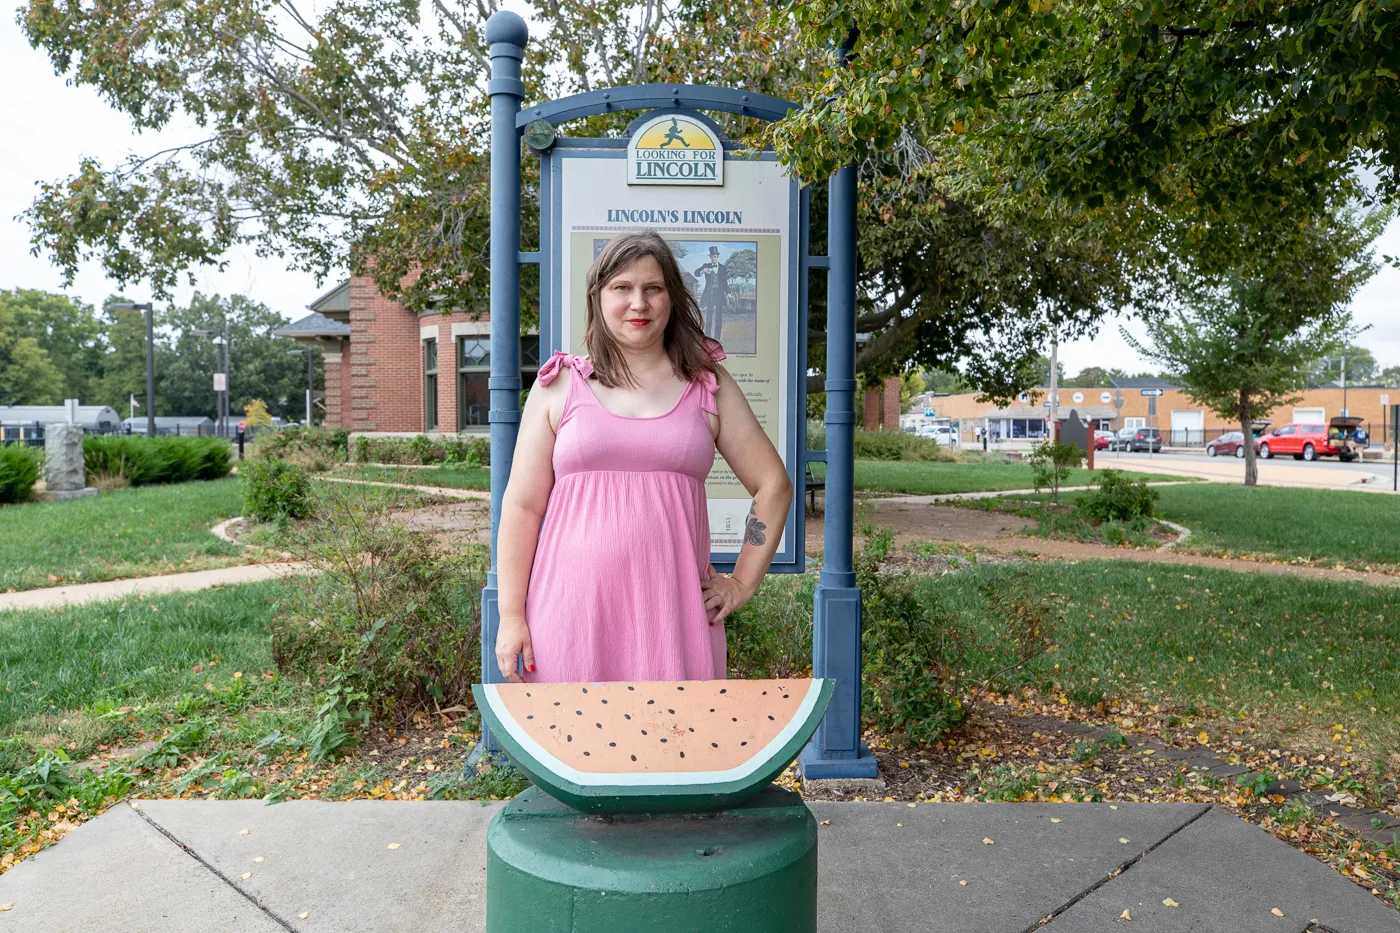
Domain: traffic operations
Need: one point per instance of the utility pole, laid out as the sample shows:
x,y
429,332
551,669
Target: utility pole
x,y
150,357
1054,387
310,377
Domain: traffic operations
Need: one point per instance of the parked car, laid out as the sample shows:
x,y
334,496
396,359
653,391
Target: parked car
x,y
1228,445
1137,439
1102,439
942,433
1304,442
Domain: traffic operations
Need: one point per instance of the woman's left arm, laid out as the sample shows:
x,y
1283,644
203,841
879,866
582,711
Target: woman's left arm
x,y
752,457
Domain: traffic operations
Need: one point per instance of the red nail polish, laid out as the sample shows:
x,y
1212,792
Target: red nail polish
x,y
712,625
531,668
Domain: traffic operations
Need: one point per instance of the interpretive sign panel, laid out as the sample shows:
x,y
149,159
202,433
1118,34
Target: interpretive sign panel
x,y
736,240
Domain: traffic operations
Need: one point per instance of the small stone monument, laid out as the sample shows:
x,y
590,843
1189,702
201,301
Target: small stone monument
x,y
64,474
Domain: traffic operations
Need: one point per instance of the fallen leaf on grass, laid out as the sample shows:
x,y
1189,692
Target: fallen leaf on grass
x,y
1168,902
1125,916
987,842
1276,912
1202,737
963,883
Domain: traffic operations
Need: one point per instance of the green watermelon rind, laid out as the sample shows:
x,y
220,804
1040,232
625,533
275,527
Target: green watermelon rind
x,y
689,794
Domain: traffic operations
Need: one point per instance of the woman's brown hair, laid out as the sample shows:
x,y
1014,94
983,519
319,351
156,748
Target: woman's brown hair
x,y
684,338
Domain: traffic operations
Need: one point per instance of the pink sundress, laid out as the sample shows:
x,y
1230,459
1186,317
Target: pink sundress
x,y
615,587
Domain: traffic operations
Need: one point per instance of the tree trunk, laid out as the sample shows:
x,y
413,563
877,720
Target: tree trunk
x,y
1251,459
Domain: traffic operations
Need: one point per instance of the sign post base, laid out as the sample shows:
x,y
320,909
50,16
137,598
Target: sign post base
x,y
752,869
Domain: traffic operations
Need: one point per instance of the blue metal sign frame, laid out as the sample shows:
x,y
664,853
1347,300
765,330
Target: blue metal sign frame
x,y
836,750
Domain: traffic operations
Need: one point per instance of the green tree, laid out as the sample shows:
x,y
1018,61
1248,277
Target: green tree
x,y
66,330
1094,377
1390,376
1360,368
1245,343
356,137
123,374
27,375
260,366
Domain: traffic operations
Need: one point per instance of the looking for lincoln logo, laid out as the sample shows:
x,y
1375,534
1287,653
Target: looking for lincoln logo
x,y
675,150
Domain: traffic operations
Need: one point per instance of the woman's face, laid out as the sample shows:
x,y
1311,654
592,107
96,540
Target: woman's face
x,y
636,306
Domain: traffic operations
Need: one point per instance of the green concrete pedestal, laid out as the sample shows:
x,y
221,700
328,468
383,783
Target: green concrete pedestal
x,y
752,869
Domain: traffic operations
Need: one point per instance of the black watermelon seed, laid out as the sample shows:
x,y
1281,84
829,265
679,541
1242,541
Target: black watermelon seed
x,y
527,692
692,728
553,726
714,745
651,702
770,717
579,711
663,740
681,688
733,718
634,757
644,732
605,702
785,696
585,689
765,693
724,690
682,754
598,724
612,745
743,743
529,717
585,753
556,702
628,715
712,709
570,738
671,711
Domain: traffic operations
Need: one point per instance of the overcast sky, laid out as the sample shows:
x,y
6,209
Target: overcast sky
x,y
46,127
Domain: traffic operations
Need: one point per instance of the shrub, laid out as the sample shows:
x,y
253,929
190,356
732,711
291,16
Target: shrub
x,y
141,460
390,626
1117,498
888,445
771,637
276,490
316,449
422,449
19,470
1051,463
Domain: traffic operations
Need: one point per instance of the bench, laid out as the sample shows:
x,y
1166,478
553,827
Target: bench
x,y
813,484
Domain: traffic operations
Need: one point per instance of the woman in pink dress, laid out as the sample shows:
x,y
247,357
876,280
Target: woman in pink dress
x,y
604,540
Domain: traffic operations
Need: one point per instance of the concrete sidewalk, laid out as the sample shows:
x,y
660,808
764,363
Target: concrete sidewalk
x,y
52,596
1273,472
178,866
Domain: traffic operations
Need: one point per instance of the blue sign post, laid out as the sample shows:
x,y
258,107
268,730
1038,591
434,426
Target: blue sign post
x,y
836,751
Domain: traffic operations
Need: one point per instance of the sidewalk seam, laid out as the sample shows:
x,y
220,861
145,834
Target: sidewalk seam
x,y
269,912
1115,872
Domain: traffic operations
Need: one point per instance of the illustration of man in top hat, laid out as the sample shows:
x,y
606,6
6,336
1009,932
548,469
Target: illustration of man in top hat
x,y
712,297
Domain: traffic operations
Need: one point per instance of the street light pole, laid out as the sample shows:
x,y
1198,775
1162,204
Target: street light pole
x,y
150,357
310,377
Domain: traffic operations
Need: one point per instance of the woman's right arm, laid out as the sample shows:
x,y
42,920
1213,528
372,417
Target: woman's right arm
x,y
522,510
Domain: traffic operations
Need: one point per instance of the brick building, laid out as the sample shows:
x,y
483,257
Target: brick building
x,y
389,371
1183,421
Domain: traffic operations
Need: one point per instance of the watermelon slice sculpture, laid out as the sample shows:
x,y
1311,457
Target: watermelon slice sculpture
x,y
654,746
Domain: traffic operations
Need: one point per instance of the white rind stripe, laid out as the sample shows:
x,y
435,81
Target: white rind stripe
x,y
649,779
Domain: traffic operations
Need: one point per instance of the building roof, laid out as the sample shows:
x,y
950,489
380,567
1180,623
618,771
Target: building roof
x,y
335,301
170,421
1143,382
48,414
314,325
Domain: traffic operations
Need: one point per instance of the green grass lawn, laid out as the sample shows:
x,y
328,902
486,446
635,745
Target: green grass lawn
x,y
1304,654
118,534
929,479
450,476
1326,525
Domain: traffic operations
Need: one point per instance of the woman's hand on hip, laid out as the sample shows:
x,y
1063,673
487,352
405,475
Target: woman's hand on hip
x,y
723,595
513,640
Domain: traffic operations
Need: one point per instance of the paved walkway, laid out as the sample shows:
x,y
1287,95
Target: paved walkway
x,y
53,596
1287,472
448,491
180,866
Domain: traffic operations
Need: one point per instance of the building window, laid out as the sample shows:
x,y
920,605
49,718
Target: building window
x,y
430,374
474,373
1134,422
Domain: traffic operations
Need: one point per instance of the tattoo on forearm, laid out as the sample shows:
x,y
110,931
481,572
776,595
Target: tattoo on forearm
x,y
753,528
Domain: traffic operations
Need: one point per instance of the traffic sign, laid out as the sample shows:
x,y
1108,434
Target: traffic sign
x,y
930,413
1153,393
1046,403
